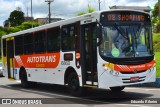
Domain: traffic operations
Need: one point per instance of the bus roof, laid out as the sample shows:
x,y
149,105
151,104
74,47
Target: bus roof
x,y
94,15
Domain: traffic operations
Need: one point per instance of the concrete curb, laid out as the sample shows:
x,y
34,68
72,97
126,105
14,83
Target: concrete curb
x,y
154,84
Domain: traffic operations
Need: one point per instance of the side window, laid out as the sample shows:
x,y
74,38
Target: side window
x,y
68,37
4,47
40,41
19,45
28,44
53,39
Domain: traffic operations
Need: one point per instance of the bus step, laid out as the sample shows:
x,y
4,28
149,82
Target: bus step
x,y
12,79
90,86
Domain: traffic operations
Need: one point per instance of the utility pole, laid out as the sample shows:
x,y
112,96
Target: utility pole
x,y
31,9
49,14
27,12
99,2
31,13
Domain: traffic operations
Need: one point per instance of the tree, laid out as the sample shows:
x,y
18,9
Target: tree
x,y
16,18
155,14
29,24
89,10
155,10
155,20
81,13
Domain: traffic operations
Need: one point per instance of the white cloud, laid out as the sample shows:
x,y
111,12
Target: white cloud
x,y
63,8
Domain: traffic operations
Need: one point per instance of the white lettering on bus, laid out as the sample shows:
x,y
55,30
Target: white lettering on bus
x,y
138,66
41,59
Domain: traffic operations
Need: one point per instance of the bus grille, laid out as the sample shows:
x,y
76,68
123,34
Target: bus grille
x,y
128,80
131,72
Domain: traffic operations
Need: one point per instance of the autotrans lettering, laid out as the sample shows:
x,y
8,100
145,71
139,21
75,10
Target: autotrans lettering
x,y
41,59
48,60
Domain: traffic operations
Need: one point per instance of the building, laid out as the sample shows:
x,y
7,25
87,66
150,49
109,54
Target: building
x,y
141,8
26,19
6,23
42,21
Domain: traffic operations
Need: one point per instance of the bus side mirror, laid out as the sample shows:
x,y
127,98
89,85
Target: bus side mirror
x,y
99,33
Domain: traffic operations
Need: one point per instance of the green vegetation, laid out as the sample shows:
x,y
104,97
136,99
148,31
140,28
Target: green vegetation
x,y
155,19
16,18
156,45
23,26
156,42
157,56
89,10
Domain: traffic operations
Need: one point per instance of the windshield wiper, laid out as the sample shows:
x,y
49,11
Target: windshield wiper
x,y
121,31
140,29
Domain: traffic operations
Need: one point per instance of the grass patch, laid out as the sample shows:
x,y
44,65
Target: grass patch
x,y
157,56
156,45
156,42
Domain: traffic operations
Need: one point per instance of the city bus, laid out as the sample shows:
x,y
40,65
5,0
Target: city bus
x,y
106,50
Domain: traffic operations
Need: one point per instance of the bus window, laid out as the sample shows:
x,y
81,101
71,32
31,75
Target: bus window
x,y
28,44
40,42
19,45
53,40
68,38
4,47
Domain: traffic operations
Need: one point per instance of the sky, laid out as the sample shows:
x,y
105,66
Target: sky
x,y
63,8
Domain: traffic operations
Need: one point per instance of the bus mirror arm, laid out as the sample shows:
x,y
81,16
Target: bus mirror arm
x,y
99,29
99,42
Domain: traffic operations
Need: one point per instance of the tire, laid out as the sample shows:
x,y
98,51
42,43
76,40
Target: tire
x,y
117,89
73,85
24,80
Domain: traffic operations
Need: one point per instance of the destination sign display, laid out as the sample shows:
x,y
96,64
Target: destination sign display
x,y
125,16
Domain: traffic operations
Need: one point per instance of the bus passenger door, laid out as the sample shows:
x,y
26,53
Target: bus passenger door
x,y
89,54
10,58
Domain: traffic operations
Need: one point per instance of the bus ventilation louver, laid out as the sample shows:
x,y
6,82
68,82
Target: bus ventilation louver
x,y
123,72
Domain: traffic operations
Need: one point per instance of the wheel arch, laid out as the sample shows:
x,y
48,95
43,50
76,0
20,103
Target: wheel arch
x,y
68,71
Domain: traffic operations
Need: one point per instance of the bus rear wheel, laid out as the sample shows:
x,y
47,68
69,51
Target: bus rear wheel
x,y
24,81
73,85
117,89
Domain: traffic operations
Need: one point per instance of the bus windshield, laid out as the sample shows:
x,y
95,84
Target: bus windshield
x,y
126,40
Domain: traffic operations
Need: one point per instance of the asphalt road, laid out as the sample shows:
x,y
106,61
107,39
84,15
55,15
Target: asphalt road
x,y
59,96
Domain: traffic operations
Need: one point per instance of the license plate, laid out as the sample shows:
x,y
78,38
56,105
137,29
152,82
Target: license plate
x,y
134,78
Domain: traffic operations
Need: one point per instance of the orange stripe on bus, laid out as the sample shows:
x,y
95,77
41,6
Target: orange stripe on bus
x,y
48,60
131,68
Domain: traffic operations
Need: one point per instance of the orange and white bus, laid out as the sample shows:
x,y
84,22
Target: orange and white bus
x,y
106,49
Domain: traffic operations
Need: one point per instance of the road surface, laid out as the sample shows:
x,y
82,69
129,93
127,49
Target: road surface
x,y
59,95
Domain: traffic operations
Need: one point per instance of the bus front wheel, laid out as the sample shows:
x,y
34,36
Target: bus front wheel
x,y
117,89
73,84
